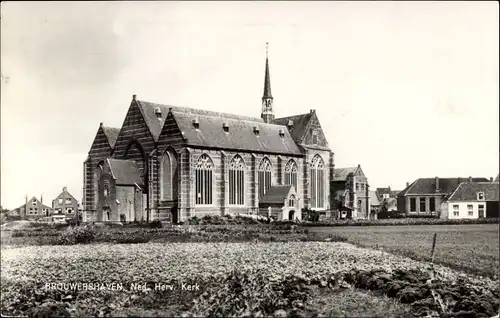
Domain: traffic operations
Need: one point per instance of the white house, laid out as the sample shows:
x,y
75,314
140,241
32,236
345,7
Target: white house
x,y
472,200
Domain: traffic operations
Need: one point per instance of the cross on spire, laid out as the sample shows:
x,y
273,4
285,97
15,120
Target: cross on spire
x,y
267,44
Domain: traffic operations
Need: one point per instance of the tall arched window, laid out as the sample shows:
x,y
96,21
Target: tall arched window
x,y
168,176
237,181
291,174
265,174
204,176
317,182
97,175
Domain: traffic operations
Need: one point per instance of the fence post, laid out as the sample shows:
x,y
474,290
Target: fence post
x,y
433,247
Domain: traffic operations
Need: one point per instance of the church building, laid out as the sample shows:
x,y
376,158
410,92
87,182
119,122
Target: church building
x,y
173,163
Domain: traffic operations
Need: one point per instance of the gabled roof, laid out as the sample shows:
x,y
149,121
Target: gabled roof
x,y
125,172
428,185
65,190
374,198
276,194
341,174
111,134
154,123
467,191
300,124
241,134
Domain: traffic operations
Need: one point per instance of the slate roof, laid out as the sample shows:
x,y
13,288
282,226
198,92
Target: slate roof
x,y
374,198
241,134
341,174
125,172
276,194
427,185
467,191
111,134
300,124
154,124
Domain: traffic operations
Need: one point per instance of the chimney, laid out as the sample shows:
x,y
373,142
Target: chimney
x,y
459,180
436,184
134,97
41,198
101,124
65,189
470,179
312,111
491,179
407,184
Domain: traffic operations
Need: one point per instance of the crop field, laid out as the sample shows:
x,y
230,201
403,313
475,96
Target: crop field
x,y
473,248
226,279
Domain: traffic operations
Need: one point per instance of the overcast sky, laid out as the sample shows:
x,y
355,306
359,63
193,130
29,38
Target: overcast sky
x,y
406,89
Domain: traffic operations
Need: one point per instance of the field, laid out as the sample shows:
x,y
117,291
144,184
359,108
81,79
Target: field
x,y
242,270
472,248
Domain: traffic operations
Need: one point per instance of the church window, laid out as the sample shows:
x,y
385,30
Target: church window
x,y
237,181
291,174
291,201
204,177
315,137
168,176
317,182
265,174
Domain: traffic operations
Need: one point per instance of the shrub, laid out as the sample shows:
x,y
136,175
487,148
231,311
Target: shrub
x,y
78,235
17,234
156,224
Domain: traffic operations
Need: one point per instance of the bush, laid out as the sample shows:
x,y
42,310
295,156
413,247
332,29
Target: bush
x,y
17,234
78,235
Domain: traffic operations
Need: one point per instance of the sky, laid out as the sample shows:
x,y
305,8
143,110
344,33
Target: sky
x,y
405,89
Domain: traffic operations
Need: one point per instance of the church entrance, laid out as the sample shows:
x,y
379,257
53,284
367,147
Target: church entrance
x,y
291,215
174,215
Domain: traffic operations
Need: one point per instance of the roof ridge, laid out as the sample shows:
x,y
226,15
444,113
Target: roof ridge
x,y
211,113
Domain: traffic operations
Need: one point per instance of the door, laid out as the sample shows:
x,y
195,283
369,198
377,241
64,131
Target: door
x,y
174,215
291,215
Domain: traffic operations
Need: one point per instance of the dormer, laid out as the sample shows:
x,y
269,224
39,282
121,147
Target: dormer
x,y
256,130
281,132
225,127
290,124
480,196
158,112
196,123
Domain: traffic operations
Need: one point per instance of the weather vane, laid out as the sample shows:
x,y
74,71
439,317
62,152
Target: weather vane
x,y
267,43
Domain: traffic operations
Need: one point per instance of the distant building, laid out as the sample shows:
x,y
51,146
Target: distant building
x,y
424,196
65,204
350,190
472,200
33,208
280,203
386,193
375,204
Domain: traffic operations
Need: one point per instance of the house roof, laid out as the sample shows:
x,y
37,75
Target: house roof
x,y
467,191
65,190
241,134
374,198
125,172
277,194
111,134
341,174
300,124
427,185
154,123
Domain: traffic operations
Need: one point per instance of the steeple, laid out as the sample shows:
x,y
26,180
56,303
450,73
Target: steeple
x,y
267,99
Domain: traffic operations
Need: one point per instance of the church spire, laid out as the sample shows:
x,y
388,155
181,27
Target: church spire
x,y
267,99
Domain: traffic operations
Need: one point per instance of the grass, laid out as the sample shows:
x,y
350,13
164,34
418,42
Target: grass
x,y
356,303
472,248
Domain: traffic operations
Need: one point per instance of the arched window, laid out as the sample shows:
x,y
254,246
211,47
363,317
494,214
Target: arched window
x,y
237,181
168,176
265,174
317,182
204,176
291,174
291,201
97,175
